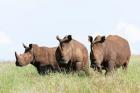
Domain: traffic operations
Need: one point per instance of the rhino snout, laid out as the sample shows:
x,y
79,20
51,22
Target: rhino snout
x,y
18,64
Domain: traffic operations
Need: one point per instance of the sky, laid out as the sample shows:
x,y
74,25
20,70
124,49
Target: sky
x,y
39,21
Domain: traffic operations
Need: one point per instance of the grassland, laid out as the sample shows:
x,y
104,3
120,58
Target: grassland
x,y
26,80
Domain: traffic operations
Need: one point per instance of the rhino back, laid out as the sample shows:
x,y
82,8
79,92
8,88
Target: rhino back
x,y
116,48
45,55
51,55
79,51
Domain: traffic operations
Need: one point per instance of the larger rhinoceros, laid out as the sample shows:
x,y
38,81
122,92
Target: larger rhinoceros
x,y
109,52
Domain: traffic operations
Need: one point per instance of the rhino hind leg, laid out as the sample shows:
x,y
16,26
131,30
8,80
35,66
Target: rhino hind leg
x,y
125,65
82,69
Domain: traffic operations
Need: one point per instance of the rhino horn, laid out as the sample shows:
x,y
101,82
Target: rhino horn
x,y
24,46
16,55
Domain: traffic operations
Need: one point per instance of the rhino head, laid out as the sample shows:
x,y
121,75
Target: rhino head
x,y
96,50
27,57
64,49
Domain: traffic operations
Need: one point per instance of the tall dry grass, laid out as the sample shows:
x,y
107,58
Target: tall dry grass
x,y
26,80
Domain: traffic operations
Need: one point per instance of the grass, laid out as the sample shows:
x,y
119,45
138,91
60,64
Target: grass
x,y
26,80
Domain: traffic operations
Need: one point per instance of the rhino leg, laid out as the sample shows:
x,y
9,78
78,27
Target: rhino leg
x,y
78,66
98,65
41,71
93,65
99,68
56,68
44,70
125,65
110,67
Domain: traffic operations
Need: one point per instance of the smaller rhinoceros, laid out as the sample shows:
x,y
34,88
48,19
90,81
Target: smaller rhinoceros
x,y
43,58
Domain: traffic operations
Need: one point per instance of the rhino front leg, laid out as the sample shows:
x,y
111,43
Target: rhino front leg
x,y
56,68
78,66
41,71
111,65
98,65
99,68
125,65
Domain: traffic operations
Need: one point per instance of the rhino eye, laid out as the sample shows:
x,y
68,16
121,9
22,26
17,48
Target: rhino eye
x,y
63,45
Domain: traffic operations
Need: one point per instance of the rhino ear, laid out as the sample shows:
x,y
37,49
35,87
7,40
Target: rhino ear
x,y
69,37
57,37
90,39
102,38
30,45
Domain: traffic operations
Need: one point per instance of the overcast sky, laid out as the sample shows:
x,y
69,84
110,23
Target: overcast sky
x,y
39,21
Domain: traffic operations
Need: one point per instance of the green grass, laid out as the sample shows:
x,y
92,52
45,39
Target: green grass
x,y
26,80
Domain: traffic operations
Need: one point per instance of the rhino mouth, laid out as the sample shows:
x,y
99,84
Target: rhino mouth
x,y
18,64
